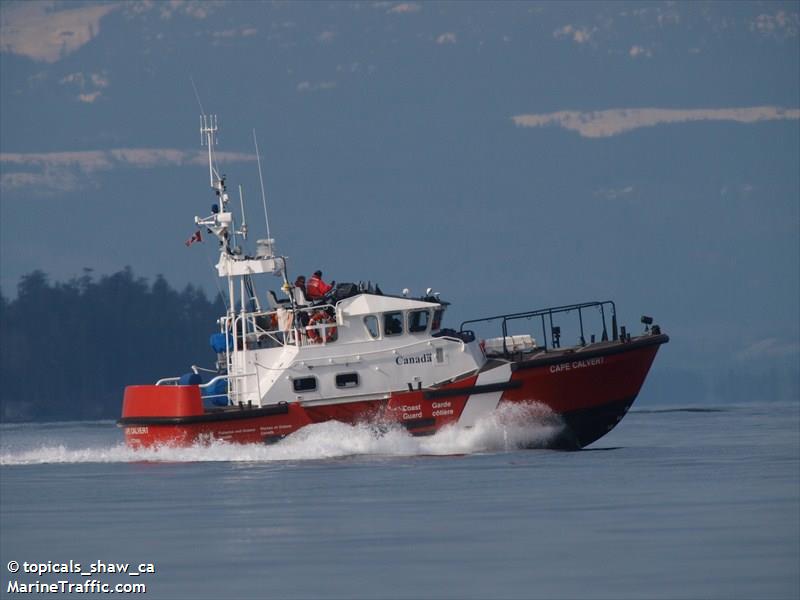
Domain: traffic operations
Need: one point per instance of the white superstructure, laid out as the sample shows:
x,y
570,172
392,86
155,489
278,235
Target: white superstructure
x,y
356,344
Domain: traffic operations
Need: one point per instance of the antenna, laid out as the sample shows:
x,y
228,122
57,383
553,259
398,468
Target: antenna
x,y
261,180
244,218
196,95
208,137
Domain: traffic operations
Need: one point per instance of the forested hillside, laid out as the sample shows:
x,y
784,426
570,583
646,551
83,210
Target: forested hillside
x,y
67,350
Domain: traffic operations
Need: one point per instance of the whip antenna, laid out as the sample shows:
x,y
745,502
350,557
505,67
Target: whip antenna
x,y
196,95
261,180
244,218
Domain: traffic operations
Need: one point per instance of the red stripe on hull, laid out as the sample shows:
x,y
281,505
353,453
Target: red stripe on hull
x,y
243,431
349,412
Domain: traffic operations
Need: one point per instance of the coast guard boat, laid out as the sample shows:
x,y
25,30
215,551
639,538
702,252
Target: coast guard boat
x,y
359,355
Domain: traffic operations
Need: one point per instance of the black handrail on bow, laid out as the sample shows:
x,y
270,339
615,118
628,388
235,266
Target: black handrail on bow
x,y
546,316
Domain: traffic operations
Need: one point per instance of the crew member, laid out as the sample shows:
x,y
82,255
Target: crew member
x,y
299,295
316,288
300,282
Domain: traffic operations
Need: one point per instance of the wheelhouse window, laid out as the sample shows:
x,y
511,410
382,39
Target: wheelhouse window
x,y
393,323
347,380
304,384
437,319
418,320
371,323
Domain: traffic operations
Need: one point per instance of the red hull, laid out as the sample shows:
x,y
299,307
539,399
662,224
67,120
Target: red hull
x,y
591,389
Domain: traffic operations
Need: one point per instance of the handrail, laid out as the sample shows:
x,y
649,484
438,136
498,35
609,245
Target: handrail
x,y
555,334
174,380
295,327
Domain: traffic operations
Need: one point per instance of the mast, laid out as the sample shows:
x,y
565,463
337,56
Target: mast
x,y
233,262
221,222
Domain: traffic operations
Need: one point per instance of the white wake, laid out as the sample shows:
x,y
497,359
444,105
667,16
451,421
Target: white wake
x,y
511,427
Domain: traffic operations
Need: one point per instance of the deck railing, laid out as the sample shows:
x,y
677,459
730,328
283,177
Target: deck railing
x,y
549,329
264,327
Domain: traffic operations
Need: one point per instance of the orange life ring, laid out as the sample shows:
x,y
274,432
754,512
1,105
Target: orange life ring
x,y
320,317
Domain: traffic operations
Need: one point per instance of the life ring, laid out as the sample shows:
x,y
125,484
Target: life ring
x,y
323,318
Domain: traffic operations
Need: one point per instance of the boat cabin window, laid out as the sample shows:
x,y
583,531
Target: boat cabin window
x,y
418,320
437,319
393,323
347,380
304,384
371,323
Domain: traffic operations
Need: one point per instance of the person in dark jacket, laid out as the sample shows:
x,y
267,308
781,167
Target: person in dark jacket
x,y
300,282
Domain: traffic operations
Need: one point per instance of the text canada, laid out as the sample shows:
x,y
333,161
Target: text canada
x,y
414,360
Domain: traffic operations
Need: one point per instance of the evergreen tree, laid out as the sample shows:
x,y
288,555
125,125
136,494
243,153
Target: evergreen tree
x,y
67,350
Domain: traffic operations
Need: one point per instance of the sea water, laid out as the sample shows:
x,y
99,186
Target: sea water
x,y
688,502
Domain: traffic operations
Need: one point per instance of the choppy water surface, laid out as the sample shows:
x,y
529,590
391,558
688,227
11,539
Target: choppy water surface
x,y
686,503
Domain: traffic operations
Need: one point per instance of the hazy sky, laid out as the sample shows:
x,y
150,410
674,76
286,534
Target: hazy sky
x,y
510,155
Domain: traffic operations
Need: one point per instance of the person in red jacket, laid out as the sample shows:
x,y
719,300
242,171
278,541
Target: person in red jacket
x,y
316,288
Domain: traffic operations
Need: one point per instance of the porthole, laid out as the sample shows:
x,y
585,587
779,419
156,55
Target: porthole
x,y
347,380
304,384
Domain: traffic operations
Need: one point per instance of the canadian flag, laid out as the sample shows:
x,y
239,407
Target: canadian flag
x,y
195,238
